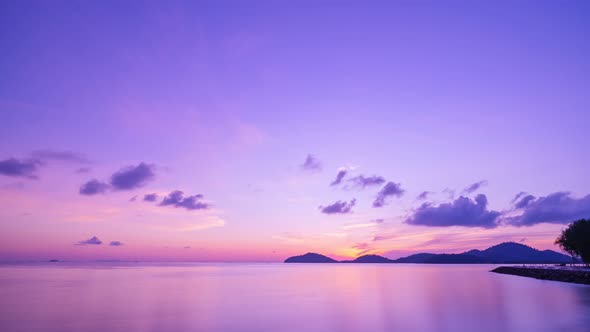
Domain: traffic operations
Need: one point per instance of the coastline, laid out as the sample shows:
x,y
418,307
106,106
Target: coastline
x,y
577,276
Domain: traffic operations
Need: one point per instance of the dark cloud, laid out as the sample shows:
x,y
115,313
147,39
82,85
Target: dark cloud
x,y
63,156
555,208
519,195
341,174
93,187
27,168
116,243
390,189
523,201
461,212
311,163
20,168
367,181
338,207
177,199
93,240
133,199
423,195
132,177
150,197
475,186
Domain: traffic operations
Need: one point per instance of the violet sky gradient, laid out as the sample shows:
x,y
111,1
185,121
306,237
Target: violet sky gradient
x,y
224,101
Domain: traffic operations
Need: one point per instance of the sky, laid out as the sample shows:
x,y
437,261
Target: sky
x,y
258,130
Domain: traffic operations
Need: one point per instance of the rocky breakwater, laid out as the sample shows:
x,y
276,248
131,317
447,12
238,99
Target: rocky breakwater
x,y
577,276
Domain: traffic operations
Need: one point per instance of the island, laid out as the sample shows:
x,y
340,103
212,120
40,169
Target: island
x,y
310,257
503,253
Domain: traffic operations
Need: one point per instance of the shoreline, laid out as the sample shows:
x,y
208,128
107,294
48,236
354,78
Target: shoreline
x,y
564,275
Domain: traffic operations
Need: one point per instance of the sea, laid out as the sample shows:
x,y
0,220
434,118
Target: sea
x,y
157,297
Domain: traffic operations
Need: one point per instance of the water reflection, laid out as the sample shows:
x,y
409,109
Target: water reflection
x,y
285,297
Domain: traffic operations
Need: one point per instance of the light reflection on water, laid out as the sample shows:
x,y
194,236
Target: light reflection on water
x,y
284,297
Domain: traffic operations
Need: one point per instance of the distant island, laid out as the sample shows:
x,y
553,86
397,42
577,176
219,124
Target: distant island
x,y
504,253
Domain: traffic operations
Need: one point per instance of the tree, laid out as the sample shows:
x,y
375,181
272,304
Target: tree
x,y
575,240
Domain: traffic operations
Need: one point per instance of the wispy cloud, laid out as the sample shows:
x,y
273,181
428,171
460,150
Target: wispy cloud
x,y
475,187
63,156
362,181
312,164
371,223
28,167
83,170
423,195
339,176
202,224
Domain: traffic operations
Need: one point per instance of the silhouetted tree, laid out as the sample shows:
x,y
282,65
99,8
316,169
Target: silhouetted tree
x,y
575,240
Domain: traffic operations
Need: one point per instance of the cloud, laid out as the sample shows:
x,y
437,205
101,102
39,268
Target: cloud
x,y
133,199
20,168
361,246
475,186
132,177
311,163
555,208
177,199
93,240
64,156
461,212
450,193
338,207
93,187
362,181
370,223
381,237
423,195
83,170
341,174
27,168
150,197
519,195
207,222
523,201
115,243
390,189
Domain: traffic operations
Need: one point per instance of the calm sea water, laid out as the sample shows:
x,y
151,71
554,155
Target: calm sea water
x,y
284,297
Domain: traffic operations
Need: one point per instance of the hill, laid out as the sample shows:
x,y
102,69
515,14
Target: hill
x,y
503,253
310,257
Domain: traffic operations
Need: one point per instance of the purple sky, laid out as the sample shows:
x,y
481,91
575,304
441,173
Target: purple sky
x,y
220,130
